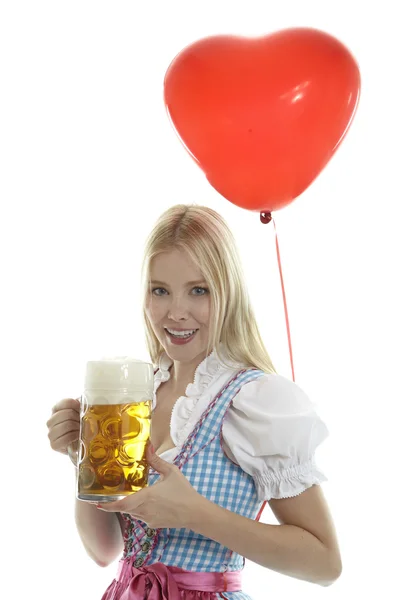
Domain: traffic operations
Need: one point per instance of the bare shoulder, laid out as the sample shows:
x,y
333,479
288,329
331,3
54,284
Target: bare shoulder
x,y
309,510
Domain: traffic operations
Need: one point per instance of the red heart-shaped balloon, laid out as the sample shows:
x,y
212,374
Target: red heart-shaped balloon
x,y
262,116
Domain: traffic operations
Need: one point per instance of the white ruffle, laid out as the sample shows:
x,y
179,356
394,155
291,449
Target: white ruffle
x,y
289,482
198,394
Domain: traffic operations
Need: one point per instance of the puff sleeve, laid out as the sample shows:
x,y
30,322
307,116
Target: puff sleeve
x,y
272,430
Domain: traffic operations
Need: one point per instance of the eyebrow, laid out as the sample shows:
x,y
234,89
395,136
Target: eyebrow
x,y
156,281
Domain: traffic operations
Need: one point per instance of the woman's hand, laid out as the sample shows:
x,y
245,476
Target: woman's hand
x,y
168,503
64,424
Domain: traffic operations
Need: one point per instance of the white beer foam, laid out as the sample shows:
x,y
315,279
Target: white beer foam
x,y
117,380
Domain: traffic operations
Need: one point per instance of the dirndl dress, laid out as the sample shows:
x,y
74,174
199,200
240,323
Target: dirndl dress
x,y
179,564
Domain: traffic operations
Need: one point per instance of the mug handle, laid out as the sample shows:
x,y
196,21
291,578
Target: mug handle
x,y
73,449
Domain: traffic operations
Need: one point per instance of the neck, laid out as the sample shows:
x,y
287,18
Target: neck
x,y
182,373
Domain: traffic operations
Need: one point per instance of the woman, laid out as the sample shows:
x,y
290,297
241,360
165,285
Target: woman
x,y
229,435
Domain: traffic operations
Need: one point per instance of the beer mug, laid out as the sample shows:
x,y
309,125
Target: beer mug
x,y
115,422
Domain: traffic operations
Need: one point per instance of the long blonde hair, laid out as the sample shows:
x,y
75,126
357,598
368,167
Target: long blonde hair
x,y
204,235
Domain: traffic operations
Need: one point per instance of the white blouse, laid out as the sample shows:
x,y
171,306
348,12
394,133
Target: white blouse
x,y
271,430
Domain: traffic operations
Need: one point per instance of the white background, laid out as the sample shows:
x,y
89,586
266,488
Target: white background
x,y
88,162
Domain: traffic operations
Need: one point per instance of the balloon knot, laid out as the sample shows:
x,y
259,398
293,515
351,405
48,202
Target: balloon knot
x,y
265,217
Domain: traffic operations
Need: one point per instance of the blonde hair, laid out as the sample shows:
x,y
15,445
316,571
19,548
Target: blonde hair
x,y
207,239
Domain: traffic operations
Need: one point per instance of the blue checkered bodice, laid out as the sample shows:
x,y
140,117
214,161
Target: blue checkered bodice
x,y
214,476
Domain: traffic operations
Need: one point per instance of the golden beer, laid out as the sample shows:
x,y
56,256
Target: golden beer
x,y
112,461
114,429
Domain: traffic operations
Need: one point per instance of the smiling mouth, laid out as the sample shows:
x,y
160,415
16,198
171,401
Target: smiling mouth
x,y
181,335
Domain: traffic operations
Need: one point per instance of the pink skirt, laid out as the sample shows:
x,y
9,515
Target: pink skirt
x,y
162,582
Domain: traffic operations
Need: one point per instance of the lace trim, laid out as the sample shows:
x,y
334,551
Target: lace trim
x,y
184,414
289,482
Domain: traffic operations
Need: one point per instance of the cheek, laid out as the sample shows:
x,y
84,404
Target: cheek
x,y
204,313
153,311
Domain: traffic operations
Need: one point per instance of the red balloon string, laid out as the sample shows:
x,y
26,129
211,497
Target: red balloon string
x,y
266,218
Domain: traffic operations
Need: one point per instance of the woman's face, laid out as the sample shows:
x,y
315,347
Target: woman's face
x,y
178,302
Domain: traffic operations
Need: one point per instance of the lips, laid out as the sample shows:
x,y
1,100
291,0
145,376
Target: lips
x,y
180,340
173,330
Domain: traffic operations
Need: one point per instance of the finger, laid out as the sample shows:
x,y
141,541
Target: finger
x,y
128,504
63,434
62,443
67,414
67,403
109,507
61,429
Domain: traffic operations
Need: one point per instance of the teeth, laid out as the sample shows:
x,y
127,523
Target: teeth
x,y
187,333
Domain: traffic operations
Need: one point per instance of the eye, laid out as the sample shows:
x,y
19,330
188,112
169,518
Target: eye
x,y
154,290
203,290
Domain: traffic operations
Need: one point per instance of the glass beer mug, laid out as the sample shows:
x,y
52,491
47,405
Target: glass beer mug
x,y
115,422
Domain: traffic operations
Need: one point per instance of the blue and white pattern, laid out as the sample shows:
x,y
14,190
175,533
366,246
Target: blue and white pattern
x,y
214,476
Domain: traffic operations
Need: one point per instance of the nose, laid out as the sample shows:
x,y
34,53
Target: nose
x,y
178,310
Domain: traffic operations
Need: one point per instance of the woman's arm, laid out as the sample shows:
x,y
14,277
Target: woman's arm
x,y
310,554
100,533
